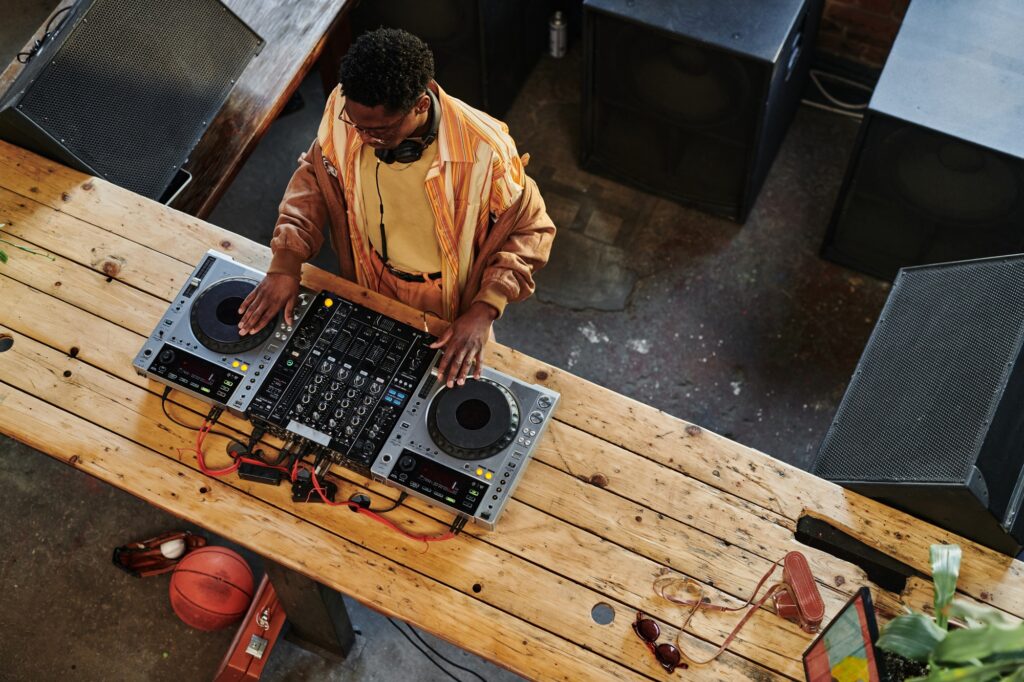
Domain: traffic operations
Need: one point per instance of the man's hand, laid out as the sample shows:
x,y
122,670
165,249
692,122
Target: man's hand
x,y
464,343
276,291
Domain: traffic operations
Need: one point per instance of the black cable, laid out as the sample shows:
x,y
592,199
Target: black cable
x,y
398,503
383,234
471,672
48,33
163,406
427,656
457,525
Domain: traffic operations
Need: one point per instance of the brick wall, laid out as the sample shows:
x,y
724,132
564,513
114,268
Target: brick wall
x,y
861,30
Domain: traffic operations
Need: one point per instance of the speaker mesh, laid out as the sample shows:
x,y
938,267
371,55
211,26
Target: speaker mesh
x,y
918,407
132,87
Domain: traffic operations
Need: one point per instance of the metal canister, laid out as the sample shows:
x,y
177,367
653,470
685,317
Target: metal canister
x,y
557,35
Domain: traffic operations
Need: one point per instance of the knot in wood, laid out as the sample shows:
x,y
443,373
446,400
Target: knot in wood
x,y
111,269
693,430
541,375
226,244
600,480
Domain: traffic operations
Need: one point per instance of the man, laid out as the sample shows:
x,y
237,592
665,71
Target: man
x,y
426,198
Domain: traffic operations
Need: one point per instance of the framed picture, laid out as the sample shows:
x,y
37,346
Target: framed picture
x,y
845,650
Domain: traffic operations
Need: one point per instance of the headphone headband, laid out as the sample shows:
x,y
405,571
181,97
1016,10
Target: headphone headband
x,y
410,150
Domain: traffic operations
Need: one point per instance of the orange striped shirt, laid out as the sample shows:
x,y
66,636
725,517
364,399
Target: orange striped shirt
x,y
477,173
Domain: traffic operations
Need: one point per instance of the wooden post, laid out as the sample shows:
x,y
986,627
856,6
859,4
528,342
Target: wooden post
x,y
319,621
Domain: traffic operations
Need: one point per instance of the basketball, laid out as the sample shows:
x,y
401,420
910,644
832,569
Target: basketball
x,y
211,588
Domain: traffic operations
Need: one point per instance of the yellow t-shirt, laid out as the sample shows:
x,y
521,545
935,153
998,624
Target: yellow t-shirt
x,y
408,217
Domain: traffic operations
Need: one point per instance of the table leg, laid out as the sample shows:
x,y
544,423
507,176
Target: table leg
x,y
319,621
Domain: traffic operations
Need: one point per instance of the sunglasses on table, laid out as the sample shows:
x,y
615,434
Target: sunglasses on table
x,y
666,654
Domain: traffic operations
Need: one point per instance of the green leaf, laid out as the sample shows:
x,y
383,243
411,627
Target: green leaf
x,y
980,673
945,571
980,643
3,257
977,614
912,636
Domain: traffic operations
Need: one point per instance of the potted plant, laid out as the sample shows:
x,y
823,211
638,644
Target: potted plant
x,y
982,645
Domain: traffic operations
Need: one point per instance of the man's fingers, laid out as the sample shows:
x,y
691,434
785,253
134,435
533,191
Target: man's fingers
x,y
479,363
248,300
467,364
456,367
267,313
289,310
248,322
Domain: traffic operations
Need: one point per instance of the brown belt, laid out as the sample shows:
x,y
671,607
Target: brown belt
x,y
407,276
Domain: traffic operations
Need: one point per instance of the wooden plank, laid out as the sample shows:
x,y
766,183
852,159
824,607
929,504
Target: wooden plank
x,y
98,249
295,34
775,485
377,582
86,289
563,607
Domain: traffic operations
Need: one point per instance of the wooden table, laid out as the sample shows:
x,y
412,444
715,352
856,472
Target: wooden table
x,y
296,34
618,494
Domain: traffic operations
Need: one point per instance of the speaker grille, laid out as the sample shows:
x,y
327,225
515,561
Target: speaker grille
x,y
130,89
927,386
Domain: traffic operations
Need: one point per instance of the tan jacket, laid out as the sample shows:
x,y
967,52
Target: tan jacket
x,y
506,251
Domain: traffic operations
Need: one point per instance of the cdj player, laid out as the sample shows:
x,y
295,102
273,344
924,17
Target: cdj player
x,y
354,385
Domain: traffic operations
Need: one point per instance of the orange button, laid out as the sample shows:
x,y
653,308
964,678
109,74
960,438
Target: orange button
x,y
245,367
328,302
236,363
488,475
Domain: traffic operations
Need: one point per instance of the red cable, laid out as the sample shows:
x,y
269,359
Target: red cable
x,y
200,438
377,517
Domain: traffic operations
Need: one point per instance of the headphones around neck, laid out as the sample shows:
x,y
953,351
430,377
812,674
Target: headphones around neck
x,y
410,150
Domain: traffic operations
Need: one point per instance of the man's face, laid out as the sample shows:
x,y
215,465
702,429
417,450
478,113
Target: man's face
x,y
380,128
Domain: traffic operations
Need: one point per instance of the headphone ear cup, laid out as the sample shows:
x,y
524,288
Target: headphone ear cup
x,y
385,155
408,151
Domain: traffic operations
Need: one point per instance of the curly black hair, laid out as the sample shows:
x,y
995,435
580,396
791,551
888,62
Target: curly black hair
x,y
388,66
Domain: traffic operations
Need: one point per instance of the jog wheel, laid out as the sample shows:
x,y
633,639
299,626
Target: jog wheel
x,y
214,317
473,421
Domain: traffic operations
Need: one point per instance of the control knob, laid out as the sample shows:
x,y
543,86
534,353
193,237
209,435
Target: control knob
x,y
407,463
166,356
376,387
305,399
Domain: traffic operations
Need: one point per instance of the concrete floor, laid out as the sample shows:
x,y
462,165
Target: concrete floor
x,y
743,330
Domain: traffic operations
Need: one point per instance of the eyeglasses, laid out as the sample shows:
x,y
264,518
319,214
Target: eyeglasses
x,y
666,654
374,131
